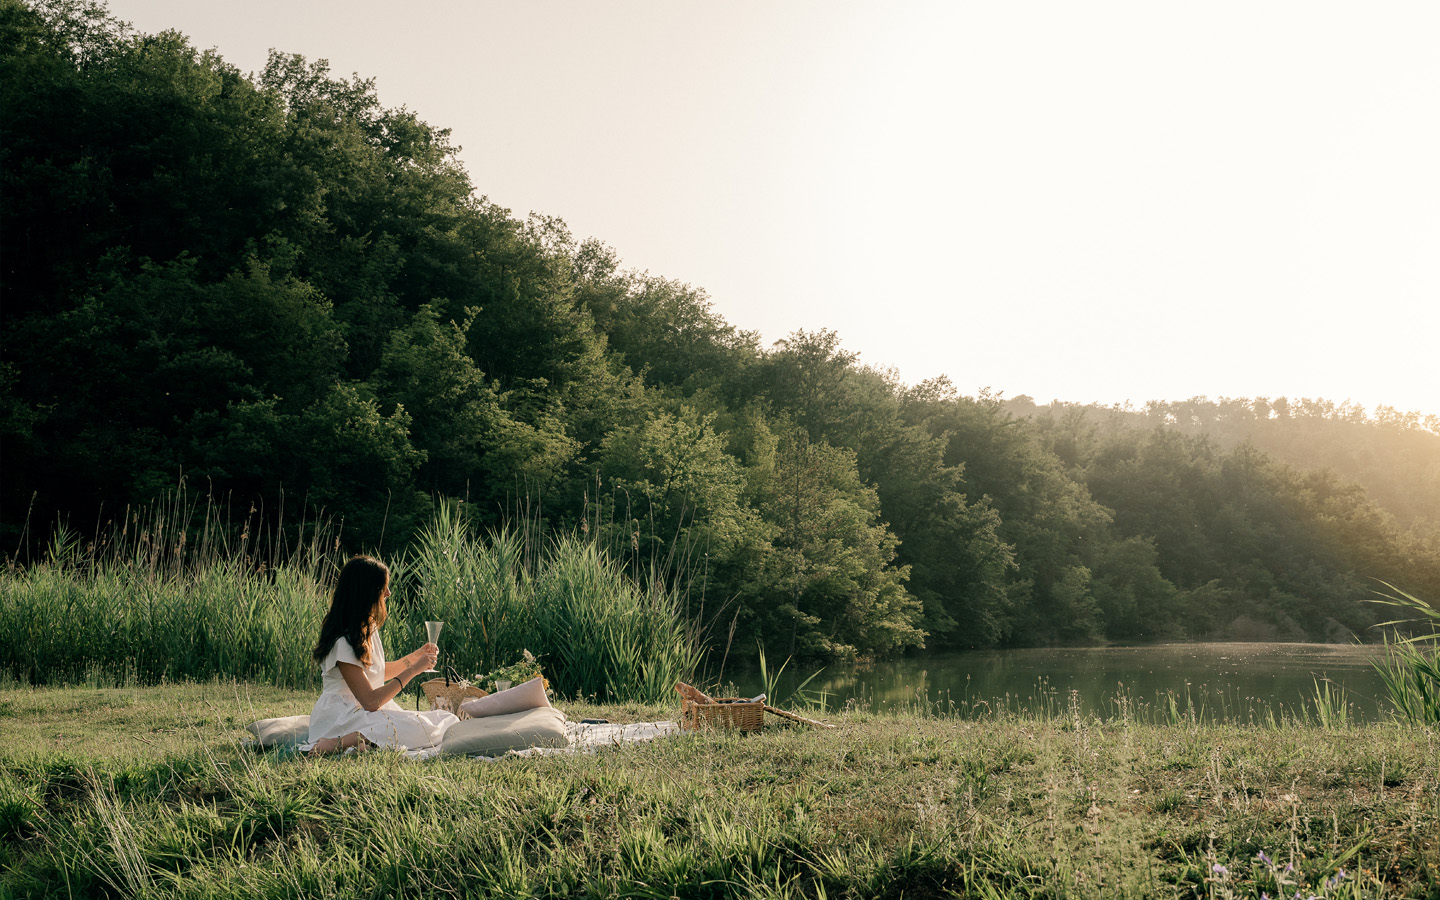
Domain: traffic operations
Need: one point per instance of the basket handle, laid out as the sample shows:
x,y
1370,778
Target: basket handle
x,y
449,671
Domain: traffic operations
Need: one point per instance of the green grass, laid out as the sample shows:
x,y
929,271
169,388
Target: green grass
x,y
147,792
1411,668
167,596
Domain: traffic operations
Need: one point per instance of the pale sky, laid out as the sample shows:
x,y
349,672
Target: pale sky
x,y
1091,202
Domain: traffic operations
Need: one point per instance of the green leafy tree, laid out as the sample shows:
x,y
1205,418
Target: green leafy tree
x,y
671,495
664,329
839,591
1054,526
474,448
356,459
951,542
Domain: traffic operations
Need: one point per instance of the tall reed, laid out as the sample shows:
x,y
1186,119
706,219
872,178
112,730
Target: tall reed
x,y
1411,666
612,637
480,588
177,591
600,631
172,591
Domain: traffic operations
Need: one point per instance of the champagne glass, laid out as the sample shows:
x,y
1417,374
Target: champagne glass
x,y
433,630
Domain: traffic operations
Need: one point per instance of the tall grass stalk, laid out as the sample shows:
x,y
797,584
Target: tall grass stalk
x,y
608,635
771,682
601,630
178,591
1332,708
172,591
481,589
1411,665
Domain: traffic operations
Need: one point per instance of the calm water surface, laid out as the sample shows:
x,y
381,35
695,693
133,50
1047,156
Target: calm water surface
x,y
1231,681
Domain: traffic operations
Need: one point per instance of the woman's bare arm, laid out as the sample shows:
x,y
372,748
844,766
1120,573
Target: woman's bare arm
x,y
395,667
372,698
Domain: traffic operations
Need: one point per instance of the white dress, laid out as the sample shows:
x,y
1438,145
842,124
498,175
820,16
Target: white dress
x,y
337,712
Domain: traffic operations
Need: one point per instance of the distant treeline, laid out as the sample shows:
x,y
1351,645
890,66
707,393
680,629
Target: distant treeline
x,y
1393,454
274,286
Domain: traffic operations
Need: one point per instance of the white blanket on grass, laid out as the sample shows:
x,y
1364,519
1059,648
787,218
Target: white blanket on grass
x,y
584,738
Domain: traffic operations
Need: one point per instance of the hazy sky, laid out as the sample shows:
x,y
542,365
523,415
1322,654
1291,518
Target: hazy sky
x,y
1093,202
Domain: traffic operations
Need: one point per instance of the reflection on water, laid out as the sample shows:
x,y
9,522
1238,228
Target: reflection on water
x,y
1229,682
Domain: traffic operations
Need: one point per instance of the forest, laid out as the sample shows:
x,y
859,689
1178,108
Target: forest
x,y
296,301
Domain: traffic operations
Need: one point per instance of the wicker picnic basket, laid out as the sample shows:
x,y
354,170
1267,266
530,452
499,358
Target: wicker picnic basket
x,y
449,692
700,710
726,712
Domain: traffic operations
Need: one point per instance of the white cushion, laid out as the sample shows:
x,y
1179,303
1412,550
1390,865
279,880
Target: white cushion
x,y
530,695
496,735
286,731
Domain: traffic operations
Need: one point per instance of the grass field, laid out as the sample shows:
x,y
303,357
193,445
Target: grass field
x,y
147,792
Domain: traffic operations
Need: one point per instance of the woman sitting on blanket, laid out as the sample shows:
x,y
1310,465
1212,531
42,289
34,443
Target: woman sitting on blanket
x,y
357,703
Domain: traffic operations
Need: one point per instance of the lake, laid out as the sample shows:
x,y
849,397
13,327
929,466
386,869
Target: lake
x,y
1239,682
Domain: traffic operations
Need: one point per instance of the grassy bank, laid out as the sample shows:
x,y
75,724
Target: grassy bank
x,y
146,792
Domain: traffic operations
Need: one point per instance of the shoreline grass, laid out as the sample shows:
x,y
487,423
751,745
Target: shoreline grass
x,y
148,792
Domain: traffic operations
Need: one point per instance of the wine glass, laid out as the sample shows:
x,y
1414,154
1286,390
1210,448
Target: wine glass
x,y
433,630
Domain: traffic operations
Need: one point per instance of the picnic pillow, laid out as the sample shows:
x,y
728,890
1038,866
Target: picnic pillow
x,y
530,695
286,731
497,735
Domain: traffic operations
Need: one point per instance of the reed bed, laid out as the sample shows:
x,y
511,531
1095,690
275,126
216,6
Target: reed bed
x,y
620,638
176,593
1411,668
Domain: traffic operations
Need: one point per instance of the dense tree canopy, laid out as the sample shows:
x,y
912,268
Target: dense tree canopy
x,y
274,286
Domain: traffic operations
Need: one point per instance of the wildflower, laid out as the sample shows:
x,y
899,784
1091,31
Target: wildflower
x,y
1264,859
1219,869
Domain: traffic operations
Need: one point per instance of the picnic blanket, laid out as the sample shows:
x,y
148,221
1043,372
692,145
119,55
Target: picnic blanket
x,y
288,733
584,738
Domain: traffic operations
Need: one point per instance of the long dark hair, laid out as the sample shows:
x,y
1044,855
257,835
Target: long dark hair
x,y
357,608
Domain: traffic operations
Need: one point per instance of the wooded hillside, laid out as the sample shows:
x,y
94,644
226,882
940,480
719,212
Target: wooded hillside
x,y
272,287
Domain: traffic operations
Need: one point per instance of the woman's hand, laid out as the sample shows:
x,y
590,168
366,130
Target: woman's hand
x,y
425,657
